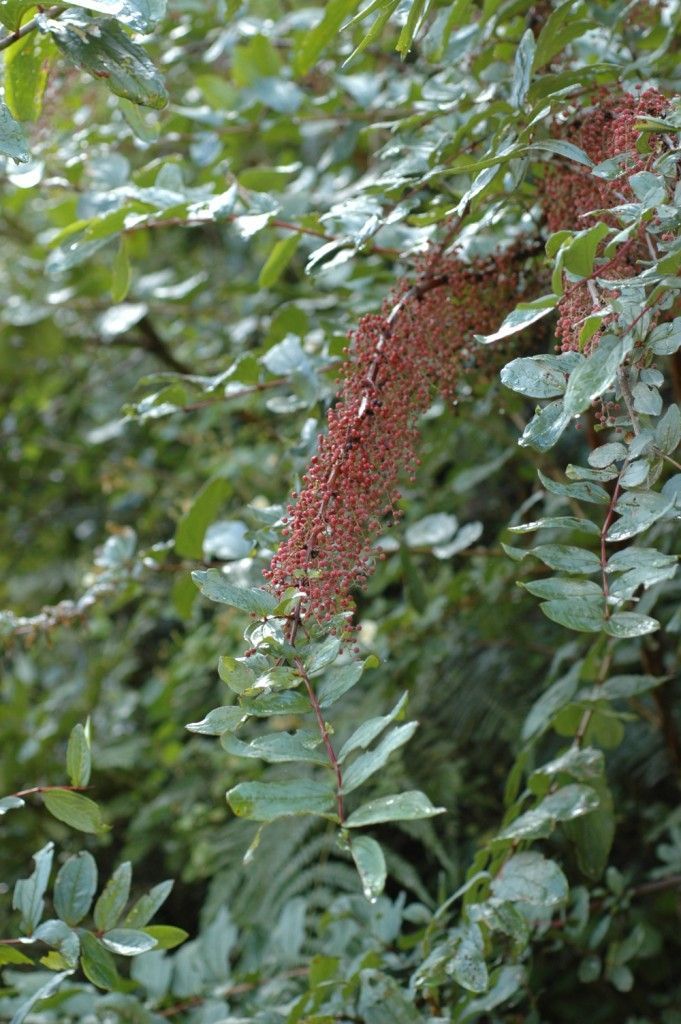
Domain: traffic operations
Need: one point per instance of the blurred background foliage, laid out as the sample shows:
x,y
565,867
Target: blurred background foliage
x,y
177,289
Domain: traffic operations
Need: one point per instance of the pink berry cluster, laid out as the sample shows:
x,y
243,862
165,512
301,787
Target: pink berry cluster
x,y
568,194
396,359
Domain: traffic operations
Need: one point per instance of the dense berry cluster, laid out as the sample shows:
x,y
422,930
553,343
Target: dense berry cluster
x,y
571,193
607,130
395,361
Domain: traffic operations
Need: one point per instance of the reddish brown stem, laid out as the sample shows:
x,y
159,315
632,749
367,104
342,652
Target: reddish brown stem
x,y
328,745
49,789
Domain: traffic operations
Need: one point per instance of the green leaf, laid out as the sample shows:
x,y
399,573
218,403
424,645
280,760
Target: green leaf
x,y
313,42
370,863
10,803
627,625
431,530
535,376
337,681
147,905
267,801
103,49
544,429
665,339
601,458
128,941
571,801
78,761
594,375
525,314
369,730
9,955
191,529
407,806
287,702
468,967
219,721
75,810
586,764
75,887
557,696
622,687
417,9
638,511
27,64
530,878
121,273
564,24
236,673
375,28
167,936
44,992
563,587
12,138
593,834
579,255
583,615
586,492
367,764
215,586
668,430
278,260
558,523
113,898
522,69
562,148
567,558
98,965
29,892
318,656
12,13
281,747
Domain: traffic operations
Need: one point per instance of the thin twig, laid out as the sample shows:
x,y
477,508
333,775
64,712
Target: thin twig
x,y
30,26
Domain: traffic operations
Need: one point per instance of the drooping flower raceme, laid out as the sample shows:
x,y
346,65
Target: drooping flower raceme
x,y
395,362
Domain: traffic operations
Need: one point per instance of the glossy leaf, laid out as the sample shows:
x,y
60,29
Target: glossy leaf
x,y
215,586
407,806
267,801
370,863
75,887
113,898
104,50
76,810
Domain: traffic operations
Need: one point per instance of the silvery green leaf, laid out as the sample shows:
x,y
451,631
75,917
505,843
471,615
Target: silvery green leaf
x,y
585,615
535,376
630,624
665,339
587,492
647,399
604,456
566,803
558,523
594,375
75,887
433,529
563,587
12,137
567,558
530,878
29,892
523,315
370,863
668,430
546,427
